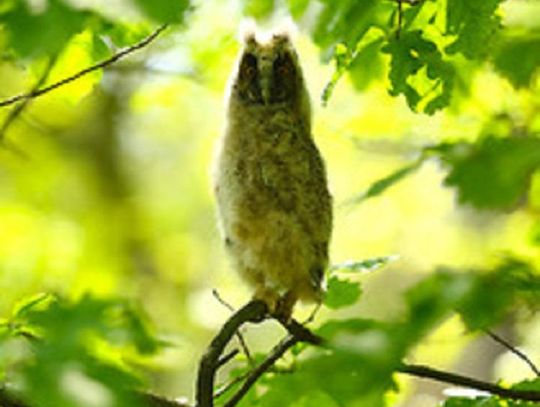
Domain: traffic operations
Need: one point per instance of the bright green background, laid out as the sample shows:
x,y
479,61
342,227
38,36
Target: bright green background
x,y
431,142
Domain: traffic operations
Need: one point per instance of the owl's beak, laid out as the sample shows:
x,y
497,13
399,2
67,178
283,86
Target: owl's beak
x,y
265,89
266,79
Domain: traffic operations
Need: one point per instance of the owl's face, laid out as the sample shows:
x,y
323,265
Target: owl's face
x,y
268,73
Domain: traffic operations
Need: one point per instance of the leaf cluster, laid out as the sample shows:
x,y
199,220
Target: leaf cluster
x,y
71,353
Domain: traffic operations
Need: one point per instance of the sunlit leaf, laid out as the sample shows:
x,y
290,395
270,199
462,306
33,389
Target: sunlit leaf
x,y
367,265
494,173
475,22
45,32
344,22
258,9
381,185
297,7
419,72
366,65
523,49
79,54
342,58
164,11
341,293
26,304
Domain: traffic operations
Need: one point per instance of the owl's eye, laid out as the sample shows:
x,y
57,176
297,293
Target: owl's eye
x,y
283,65
249,71
248,67
283,70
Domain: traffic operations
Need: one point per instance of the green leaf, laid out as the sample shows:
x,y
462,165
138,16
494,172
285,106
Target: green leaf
x,y
297,8
363,62
164,11
367,65
481,297
471,402
46,32
494,173
418,71
496,291
367,265
342,58
523,49
381,185
434,298
341,293
26,304
258,9
124,35
475,24
344,22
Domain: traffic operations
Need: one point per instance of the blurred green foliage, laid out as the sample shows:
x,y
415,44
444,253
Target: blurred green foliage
x,y
104,195
76,353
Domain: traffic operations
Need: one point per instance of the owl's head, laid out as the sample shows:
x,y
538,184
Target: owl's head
x,y
268,73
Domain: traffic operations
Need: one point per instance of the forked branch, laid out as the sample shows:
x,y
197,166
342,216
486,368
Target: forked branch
x,y
34,93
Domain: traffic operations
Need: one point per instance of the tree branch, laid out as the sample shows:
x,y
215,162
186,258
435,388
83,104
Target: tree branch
x,y
514,350
288,342
146,399
17,110
459,380
115,57
254,311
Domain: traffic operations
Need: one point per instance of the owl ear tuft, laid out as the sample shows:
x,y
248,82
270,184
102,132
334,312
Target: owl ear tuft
x,y
285,32
248,32
281,38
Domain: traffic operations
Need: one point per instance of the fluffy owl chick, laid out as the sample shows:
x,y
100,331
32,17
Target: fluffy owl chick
x,y
274,207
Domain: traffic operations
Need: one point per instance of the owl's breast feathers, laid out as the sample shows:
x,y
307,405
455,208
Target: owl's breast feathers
x,y
274,204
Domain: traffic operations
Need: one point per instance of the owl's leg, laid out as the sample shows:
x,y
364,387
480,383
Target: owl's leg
x,y
285,306
268,296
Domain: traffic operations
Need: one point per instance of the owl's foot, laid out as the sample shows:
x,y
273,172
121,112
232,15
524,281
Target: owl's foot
x,y
284,307
269,297
279,307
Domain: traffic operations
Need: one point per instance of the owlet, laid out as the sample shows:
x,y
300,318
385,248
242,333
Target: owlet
x,y
274,207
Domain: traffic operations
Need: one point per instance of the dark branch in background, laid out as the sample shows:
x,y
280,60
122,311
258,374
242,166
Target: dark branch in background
x,y
115,57
146,399
452,378
514,350
17,110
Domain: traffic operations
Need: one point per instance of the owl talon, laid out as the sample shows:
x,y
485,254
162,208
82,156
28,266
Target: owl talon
x,y
284,307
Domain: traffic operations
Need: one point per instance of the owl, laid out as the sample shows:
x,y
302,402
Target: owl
x,y
274,207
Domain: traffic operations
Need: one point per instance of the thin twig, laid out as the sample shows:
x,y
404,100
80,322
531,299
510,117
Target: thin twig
x,y
313,314
239,335
300,332
119,55
459,380
226,386
17,110
221,300
254,311
226,358
514,350
297,333
400,18
146,399
288,342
